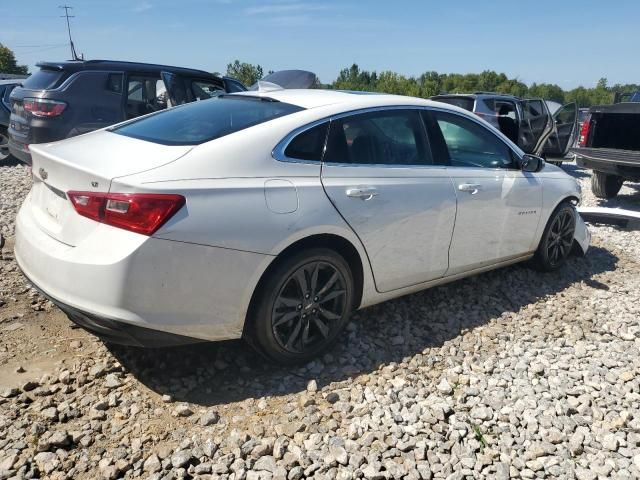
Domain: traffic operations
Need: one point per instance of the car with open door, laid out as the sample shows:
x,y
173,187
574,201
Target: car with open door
x,y
6,87
271,215
529,123
65,99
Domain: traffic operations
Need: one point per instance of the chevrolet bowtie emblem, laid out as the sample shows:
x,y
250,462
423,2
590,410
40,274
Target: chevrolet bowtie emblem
x,y
43,173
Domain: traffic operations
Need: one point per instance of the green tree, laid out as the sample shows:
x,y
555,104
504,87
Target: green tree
x,y
245,72
353,78
548,91
8,62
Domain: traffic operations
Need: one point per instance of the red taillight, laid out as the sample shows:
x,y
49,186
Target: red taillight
x,y
584,131
41,107
142,213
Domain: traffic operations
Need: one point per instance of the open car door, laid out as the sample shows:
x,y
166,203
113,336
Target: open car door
x,y
564,134
535,126
176,89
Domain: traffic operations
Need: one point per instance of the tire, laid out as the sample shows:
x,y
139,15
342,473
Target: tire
x,y
557,239
284,316
604,185
4,147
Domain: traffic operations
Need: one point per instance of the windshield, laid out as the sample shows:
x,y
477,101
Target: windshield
x,y
200,122
43,79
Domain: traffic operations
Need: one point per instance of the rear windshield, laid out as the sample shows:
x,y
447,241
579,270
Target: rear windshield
x,y
42,79
462,102
207,120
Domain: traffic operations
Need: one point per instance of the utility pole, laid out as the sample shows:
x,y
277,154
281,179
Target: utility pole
x,y
66,15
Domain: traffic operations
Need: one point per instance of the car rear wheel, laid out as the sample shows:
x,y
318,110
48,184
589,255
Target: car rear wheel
x,y
557,239
302,307
604,185
4,145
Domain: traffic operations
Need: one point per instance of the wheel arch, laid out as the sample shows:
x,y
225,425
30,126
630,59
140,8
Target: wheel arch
x,y
339,244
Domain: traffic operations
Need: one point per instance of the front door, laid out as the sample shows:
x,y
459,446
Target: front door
x,y
566,122
378,172
498,204
536,125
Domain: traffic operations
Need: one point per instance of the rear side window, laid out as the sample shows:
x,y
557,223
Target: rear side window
x,y
533,109
200,122
309,144
462,102
387,137
43,79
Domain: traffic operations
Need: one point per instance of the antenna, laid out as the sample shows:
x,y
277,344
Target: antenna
x,y
66,15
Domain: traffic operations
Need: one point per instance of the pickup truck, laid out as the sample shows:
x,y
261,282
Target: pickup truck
x,y
609,144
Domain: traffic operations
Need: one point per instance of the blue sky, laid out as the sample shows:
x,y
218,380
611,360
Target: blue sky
x,y
568,42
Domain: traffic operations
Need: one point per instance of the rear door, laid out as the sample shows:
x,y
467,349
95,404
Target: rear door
x,y
536,125
566,123
378,172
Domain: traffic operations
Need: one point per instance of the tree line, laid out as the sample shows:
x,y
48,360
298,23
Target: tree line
x,y
434,83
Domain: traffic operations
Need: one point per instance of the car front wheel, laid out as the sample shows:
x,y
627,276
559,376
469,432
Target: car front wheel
x,y
557,239
302,307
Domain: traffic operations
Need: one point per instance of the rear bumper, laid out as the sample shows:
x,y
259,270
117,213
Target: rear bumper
x,y
625,163
115,282
113,331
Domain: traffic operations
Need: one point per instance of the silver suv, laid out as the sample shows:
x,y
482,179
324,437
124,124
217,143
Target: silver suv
x,y
526,122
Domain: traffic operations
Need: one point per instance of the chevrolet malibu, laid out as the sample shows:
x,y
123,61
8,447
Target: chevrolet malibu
x,y
271,215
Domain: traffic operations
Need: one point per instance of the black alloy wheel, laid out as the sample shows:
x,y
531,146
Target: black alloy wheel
x,y
303,306
557,240
309,306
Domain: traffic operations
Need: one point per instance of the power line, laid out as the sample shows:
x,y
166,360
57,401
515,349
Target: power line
x,y
66,15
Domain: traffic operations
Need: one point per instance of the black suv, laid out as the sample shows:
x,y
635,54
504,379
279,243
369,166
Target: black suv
x,y
64,99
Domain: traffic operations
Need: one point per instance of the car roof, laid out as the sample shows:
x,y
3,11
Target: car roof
x,y
80,65
347,100
13,81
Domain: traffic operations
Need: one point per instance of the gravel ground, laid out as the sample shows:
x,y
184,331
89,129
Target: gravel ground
x,y
511,374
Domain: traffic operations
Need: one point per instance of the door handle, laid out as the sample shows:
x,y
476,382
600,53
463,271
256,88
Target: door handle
x,y
363,193
471,188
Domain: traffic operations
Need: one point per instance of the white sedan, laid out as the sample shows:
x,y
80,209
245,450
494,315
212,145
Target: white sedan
x,y
272,215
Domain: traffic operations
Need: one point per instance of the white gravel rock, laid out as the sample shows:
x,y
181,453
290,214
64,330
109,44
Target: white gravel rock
x,y
511,374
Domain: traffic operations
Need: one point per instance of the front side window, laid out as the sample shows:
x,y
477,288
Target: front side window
x,y
309,144
145,95
386,137
200,122
467,143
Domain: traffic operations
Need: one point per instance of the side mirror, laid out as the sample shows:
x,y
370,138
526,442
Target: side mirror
x,y
531,163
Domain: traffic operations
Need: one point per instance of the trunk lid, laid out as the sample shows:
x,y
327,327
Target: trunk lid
x,y
86,163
